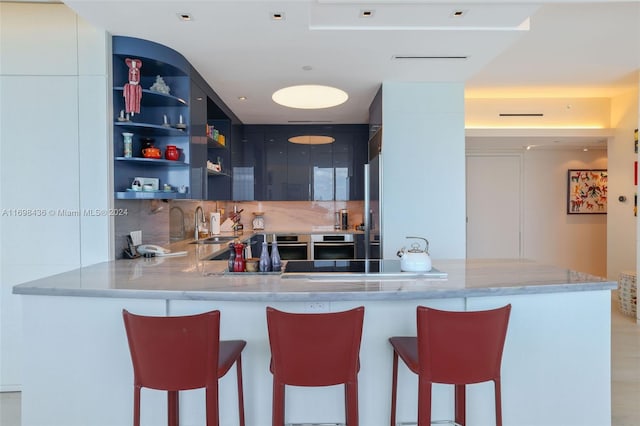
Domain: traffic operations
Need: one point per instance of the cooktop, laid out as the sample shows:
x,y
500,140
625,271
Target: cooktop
x,y
352,268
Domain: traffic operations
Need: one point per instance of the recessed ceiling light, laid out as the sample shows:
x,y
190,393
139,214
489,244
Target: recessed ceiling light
x,y
312,140
185,17
277,16
242,98
458,13
310,96
367,13
307,68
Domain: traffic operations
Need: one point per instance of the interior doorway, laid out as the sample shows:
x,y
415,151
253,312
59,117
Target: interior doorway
x,y
494,206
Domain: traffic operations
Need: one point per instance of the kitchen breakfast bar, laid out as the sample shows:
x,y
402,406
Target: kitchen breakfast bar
x,y
556,366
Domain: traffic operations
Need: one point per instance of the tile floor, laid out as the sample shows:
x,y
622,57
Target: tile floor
x,y
625,375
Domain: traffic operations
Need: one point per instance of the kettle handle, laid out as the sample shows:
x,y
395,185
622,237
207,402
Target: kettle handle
x,y
425,241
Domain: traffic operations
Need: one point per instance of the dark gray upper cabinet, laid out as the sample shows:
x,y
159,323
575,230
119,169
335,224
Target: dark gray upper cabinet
x,y
322,182
285,171
275,178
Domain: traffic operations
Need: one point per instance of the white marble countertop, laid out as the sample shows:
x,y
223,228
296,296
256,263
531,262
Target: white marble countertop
x,y
192,278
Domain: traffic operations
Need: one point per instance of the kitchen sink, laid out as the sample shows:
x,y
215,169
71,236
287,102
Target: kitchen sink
x,y
215,240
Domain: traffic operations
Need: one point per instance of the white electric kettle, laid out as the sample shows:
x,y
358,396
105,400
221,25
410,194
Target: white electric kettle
x,y
415,259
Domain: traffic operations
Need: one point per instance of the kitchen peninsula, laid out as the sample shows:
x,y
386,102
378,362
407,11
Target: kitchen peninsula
x,y
77,370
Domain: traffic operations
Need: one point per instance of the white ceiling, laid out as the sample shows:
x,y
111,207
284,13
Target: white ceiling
x,y
571,49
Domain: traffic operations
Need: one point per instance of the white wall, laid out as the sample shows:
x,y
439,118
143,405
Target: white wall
x,y
621,241
423,167
552,236
548,234
54,156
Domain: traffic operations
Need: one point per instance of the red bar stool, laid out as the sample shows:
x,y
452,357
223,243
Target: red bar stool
x,y
456,348
315,350
181,353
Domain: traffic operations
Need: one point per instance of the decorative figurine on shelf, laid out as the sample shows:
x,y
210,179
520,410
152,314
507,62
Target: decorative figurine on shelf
x,y
128,144
160,86
123,117
133,91
181,125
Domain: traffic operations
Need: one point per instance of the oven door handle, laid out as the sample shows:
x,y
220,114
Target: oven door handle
x,y
292,244
341,243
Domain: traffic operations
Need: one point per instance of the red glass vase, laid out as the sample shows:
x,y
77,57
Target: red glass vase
x,y
171,153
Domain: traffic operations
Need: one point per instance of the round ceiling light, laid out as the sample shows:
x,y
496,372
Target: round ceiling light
x,y
310,96
312,140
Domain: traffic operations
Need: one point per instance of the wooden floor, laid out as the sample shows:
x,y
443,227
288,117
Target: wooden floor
x,y
625,375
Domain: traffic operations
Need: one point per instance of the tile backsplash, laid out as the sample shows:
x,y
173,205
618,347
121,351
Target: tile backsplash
x,y
162,222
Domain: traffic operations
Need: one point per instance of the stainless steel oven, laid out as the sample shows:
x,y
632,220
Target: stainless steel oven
x,y
291,246
332,246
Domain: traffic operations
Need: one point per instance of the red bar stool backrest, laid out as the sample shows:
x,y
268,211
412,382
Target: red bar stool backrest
x,y
174,353
461,347
315,349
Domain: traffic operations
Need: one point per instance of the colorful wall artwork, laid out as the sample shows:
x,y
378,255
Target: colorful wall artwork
x,y
587,192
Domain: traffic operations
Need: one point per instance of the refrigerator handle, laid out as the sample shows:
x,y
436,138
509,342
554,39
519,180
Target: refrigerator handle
x,y
365,215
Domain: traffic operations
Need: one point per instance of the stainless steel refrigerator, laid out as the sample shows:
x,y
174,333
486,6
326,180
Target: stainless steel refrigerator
x,y
373,198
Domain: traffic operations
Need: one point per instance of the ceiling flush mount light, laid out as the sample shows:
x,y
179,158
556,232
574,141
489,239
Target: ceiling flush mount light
x,y
185,17
312,140
310,96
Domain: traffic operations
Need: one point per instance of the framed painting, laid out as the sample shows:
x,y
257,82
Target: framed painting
x,y
587,191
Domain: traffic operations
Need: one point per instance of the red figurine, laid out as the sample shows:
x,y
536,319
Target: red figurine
x,y
132,90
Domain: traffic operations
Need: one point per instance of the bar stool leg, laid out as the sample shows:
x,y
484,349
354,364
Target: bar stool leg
x,y
240,392
136,406
424,403
394,388
498,397
278,404
351,403
460,404
213,406
172,403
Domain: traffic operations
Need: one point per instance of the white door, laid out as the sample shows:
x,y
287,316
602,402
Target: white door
x,y
494,206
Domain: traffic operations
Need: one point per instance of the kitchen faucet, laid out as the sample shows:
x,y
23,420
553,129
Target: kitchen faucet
x,y
196,226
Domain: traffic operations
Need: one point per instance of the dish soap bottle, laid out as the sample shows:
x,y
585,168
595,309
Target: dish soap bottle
x,y
265,261
276,263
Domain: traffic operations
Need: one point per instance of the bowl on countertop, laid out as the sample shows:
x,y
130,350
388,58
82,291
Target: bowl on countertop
x,y
251,264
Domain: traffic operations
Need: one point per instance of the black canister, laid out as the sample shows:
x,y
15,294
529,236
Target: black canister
x,y
146,143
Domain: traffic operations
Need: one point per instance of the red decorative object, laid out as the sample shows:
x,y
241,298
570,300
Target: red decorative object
x,y
239,262
171,153
152,152
133,91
